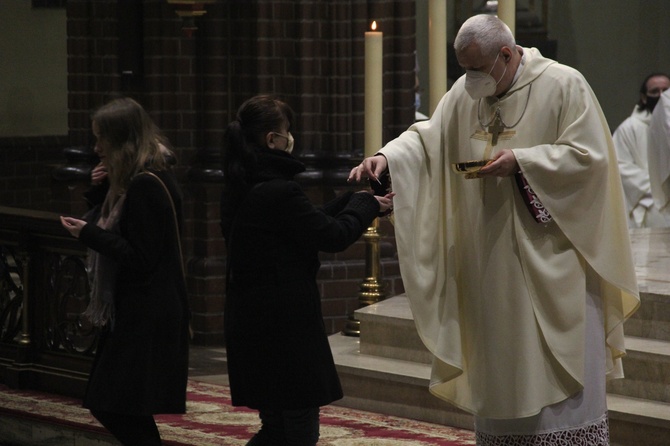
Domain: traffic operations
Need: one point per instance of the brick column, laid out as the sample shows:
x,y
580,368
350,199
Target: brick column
x,y
206,265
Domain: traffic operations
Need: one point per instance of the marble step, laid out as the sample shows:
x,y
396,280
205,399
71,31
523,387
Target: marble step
x,y
651,253
390,386
635,421
652,319
388,330
400,388
647,370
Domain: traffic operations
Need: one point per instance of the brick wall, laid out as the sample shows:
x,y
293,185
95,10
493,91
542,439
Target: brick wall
x,y
309,52
312,54
26,164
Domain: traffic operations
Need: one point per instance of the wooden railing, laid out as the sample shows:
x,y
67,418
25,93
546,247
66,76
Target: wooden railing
x,y
45,343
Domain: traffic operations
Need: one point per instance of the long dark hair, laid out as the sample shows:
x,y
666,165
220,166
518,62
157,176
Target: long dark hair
x,y
244,136
134,140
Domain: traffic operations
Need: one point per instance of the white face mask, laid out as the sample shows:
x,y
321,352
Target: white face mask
x,y
481,85
289,141
289,144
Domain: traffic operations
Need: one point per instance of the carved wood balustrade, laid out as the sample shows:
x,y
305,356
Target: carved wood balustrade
x,y
45,343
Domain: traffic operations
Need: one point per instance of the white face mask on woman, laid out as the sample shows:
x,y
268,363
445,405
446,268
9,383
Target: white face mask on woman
x,y
289,144
481,85
289,141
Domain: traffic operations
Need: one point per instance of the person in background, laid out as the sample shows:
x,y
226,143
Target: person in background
x,y
279,359
519,275
138,292
658,152
630,140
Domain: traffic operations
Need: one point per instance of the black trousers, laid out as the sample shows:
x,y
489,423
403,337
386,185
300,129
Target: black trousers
x,y
130,430
287,428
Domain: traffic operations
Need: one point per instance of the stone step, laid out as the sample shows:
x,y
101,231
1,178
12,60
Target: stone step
x,y
390,331
652,319
390,386
647,370
635,421
387,370
651,254
400,388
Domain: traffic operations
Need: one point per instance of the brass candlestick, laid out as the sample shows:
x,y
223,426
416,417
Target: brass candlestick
x,y
371,288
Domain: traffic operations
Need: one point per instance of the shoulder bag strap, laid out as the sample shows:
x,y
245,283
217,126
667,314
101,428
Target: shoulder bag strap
x,y
176,223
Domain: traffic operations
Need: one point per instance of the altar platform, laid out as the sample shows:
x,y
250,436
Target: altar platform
x,y
387,369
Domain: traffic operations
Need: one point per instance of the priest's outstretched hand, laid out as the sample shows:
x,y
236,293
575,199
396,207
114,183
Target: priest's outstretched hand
x,y
371,167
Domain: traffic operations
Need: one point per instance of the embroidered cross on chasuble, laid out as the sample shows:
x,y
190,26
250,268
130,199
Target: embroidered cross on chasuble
x,y
495,132
495,129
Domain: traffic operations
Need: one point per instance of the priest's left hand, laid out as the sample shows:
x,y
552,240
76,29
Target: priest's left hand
x,y
503,165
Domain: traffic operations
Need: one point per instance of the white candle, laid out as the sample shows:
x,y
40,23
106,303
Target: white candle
x,y
373,90
507,13
437,52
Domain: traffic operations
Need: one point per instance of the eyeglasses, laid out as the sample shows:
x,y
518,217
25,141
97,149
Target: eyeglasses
x,y
279,134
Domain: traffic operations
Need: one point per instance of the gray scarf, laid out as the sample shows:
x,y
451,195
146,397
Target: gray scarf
x,y
102,269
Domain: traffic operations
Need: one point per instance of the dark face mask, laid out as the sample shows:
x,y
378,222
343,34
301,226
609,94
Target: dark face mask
x,y
651,103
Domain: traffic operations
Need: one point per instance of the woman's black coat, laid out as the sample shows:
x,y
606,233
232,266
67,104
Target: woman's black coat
x,y
141,365
277,346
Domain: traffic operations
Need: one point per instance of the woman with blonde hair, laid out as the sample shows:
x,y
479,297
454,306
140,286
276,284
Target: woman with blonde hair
x,y
138,292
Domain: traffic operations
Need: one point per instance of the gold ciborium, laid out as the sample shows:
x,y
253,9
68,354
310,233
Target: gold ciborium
x,y
469,168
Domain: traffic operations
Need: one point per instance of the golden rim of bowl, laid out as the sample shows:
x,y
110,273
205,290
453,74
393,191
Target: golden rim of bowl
x,y
469,166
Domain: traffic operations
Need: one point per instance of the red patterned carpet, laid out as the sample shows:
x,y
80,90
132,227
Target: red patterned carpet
x,y
211,420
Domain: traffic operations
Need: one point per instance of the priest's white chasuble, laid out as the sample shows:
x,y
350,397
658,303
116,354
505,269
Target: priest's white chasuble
x,y
498,298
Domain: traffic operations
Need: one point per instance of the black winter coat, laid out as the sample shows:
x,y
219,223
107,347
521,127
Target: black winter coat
x,y
277,346
141,365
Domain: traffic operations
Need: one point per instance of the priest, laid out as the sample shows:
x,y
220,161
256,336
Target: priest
x,y
631,141
519,275
658,152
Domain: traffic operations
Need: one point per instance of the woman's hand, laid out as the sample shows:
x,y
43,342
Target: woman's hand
x,y
385,202
73,225
98,174
371,167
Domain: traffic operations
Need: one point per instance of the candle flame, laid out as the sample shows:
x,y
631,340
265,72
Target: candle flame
x,y
374,25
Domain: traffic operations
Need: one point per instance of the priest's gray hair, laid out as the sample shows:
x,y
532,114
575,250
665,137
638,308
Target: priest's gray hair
x,y
487,31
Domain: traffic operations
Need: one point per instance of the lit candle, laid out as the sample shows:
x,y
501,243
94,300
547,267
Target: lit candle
x,y
507,13
437,52
373,90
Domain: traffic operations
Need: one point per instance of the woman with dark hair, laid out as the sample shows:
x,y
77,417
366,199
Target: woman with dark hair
x,y
138,293
279,359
